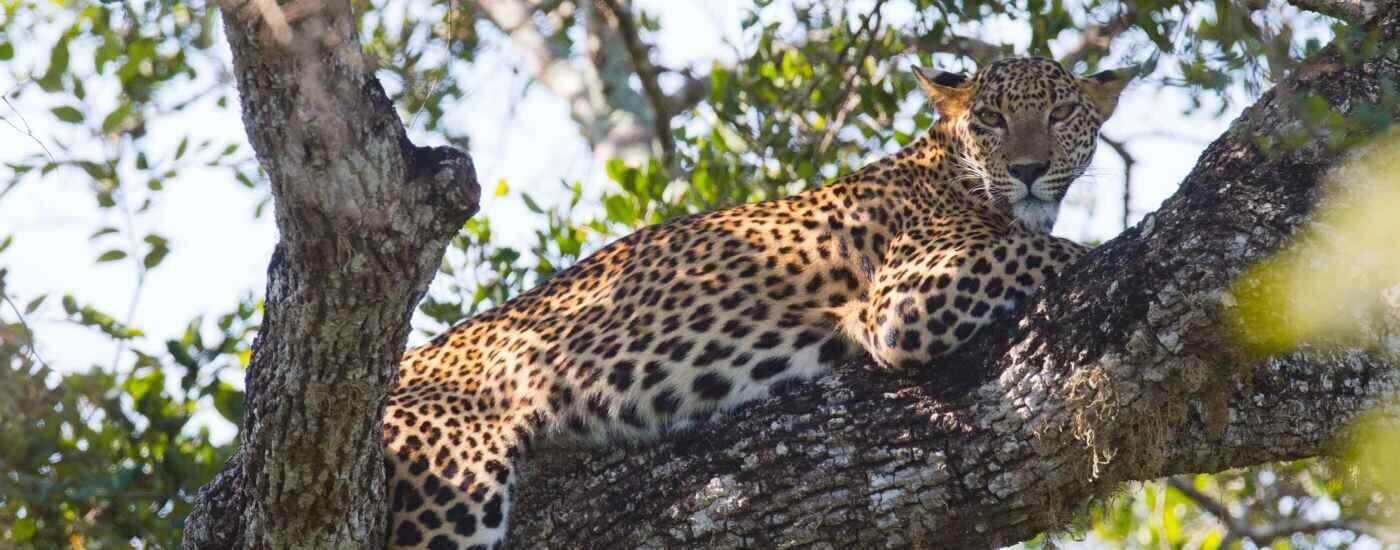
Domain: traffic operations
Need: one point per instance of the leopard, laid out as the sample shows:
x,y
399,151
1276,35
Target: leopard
x,y
672,326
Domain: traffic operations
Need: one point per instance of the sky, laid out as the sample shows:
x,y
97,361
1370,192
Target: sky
x,y
220,248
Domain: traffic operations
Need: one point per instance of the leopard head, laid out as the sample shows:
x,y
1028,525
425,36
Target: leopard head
x,y
1027,127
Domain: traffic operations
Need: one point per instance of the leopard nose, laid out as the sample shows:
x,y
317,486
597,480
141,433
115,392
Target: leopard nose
x,y
1027,172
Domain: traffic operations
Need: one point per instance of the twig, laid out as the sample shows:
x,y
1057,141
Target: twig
x,y
851,99
1238,528
220,84
692,92
451,35
1098,37
33,350
549,64
140,265
1214,507
647,72
1128,161
28,131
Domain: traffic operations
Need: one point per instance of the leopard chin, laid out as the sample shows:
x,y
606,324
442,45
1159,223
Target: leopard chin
x,y
1035,214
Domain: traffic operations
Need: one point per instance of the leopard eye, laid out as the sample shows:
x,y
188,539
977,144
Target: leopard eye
x,y
1062,112
990,118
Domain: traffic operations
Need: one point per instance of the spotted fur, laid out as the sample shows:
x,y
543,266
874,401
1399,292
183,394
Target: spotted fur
x,y
905,259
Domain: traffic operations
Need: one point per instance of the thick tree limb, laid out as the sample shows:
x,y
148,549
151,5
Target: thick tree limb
x,y
364,217
1120,371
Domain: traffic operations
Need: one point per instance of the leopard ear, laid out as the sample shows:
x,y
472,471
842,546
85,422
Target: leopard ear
x,y
949,92
1104,87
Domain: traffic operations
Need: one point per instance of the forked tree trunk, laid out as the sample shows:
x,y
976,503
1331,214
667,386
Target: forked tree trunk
x,y
365,217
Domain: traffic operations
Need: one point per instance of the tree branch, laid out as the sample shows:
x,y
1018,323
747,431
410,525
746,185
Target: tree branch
x,y
1121,148
1238,528
1207,503
649,75
870,24
1120,371
1350,10
364,217
582,90
1097,38
981,51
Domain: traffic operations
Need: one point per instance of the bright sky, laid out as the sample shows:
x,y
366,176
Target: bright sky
x,y
220,249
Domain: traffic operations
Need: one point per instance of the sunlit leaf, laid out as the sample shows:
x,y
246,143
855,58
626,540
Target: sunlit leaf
x,y
68,114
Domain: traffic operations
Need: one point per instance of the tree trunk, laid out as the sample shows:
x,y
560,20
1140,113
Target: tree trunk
x,y
364,217
1122,370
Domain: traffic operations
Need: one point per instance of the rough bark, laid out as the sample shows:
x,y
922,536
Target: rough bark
x,y
364,217
1122,370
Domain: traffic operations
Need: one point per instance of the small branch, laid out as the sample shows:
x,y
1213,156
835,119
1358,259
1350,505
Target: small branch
x,y
647,72
27,131
1238,528
548,66
1098,37
1207,503
451,36
1350,10
980,51
581,86
1121,148
19,314
692,92
138,263
851,99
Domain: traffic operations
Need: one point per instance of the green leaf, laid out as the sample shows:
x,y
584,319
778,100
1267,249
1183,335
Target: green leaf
x,y
619,210
23,529
114,119
159,248
530,204
52,81
154,257
111,256
615,169
34,304
7,51
68,114
230,402
181,357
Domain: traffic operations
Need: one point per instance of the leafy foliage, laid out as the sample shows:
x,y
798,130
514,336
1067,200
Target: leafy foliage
x,y
104,457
